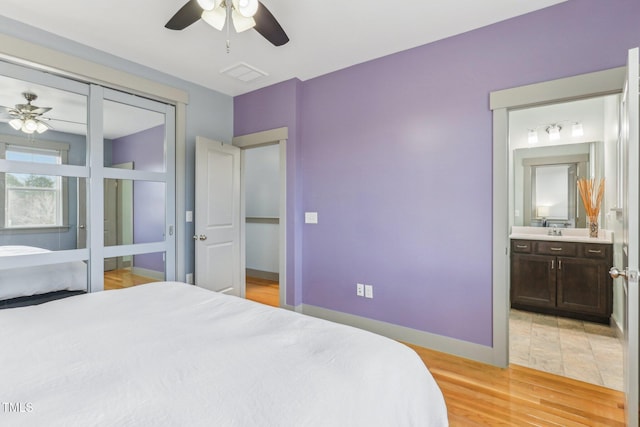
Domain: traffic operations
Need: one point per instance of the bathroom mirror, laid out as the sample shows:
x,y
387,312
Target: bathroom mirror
x,y
544,168
550,196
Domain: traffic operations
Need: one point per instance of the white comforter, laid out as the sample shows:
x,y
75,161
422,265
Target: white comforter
x,y
171,354
40,279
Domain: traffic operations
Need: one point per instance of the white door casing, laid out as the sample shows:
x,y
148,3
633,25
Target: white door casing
x,y
217,217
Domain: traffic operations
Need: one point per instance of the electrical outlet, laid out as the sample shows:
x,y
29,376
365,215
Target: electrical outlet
x,y
360,289
368,291
189,278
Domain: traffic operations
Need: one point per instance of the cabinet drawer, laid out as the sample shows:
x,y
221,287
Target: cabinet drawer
x,y
595,251
521,246
557,248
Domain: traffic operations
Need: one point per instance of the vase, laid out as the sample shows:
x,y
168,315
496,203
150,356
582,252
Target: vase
x,y
593,227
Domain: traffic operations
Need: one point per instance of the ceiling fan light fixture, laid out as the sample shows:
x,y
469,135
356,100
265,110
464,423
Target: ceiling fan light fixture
x,y
242,23
247,8
207,4
41,127
30,126
16,124
216,18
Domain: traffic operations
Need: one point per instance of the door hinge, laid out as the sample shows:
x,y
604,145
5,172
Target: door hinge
x,y
171,230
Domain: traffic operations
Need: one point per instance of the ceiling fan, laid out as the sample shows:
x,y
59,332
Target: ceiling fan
x,y
244,14
28,117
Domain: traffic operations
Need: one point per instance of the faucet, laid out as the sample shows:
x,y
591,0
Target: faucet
x,y
555,231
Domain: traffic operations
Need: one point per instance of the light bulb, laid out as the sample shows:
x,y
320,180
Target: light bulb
x,y
554,132
216,18
207,4
247,8
242,23
41,127
30,125
16,124
576,130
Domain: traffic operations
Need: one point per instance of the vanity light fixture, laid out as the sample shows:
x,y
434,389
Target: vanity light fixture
x,y
554,132
576,130
553,129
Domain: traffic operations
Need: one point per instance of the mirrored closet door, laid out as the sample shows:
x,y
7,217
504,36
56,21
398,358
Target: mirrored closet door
x,y
87,186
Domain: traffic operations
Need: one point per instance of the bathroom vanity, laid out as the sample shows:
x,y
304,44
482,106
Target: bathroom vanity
x,y
566,275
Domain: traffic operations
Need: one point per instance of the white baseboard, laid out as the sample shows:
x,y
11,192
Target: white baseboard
x,y
618,327
151,274
477,352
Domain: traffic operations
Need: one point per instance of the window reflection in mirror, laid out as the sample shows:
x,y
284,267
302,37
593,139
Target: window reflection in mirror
x,y
133,270
135,135
42,211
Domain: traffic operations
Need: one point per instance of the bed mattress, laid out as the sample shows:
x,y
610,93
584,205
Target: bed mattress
x,y
169,353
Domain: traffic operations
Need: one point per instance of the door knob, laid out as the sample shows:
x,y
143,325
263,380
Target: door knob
x,y
614,272
203,237
200,237
81,226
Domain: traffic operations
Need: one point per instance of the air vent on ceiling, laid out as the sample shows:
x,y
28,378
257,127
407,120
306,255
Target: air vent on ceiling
x,y
243,72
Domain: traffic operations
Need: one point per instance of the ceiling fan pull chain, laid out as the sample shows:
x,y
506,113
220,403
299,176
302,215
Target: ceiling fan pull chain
x,y
228,5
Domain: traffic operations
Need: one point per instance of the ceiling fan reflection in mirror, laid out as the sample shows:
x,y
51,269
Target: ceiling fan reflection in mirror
x,y
28,117
244,14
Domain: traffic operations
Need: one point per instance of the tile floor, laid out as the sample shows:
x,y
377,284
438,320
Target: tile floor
x,y
585,351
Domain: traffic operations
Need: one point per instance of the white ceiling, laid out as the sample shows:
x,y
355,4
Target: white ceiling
x,y
325,36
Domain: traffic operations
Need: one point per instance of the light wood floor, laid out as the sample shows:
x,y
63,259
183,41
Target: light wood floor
x,y
477,394
481,395
264,291
123,278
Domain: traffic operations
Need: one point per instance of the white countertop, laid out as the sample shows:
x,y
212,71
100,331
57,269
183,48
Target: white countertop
x,y
568,235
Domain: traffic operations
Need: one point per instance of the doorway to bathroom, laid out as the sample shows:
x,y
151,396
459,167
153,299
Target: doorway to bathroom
x,y
551,147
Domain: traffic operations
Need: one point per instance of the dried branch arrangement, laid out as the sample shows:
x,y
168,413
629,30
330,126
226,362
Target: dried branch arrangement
x,y
591,192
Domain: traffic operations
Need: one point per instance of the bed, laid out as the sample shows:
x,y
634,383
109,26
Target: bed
x,y
41,279
168,353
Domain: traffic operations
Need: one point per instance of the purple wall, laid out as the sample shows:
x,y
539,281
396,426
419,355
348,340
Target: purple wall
x,y
396,155
146,150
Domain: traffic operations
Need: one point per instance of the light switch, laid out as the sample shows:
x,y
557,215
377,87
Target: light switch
x,y
189,216
311,217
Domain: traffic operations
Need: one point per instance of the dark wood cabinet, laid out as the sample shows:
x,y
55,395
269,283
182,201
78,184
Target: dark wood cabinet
x,y
564,278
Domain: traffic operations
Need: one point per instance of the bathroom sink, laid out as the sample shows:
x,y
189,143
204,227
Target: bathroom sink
x,y
568,234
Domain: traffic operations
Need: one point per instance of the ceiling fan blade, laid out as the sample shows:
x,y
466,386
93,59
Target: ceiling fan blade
x,y
187,15
268,26
40,110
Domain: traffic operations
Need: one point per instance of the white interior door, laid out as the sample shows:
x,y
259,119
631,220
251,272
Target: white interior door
x,y
630,156
217,217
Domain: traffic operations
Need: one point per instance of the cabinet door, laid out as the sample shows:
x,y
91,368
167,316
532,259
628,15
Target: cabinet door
x,y
533,280
583,285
